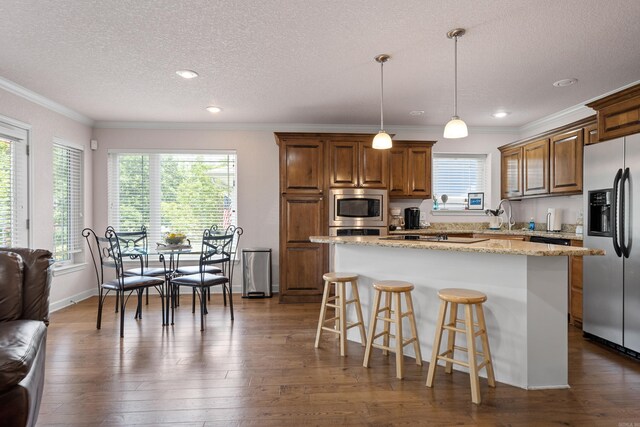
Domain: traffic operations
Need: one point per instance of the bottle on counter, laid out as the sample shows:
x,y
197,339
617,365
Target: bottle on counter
x,y
532,224
435,202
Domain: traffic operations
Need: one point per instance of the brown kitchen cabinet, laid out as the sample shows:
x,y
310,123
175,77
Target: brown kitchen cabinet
x,y
546,164
303,213
575,288
566,162
536,167
301,165
353,162
511,172
591,134
302,263
618,113
410,169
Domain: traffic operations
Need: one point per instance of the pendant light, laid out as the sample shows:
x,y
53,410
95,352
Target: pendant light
x,y
382,140
456,128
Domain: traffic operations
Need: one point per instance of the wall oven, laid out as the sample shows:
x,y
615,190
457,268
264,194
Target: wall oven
x,y
358,207
358,231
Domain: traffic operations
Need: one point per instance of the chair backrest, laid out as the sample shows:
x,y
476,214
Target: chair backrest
x,y
219,248
135,243
105,252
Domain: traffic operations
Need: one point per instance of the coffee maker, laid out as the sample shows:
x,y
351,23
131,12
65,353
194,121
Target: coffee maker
x,y
412,218
397,221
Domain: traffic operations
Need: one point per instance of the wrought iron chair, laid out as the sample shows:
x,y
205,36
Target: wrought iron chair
x,y
217,252
107,254
137,243
213,269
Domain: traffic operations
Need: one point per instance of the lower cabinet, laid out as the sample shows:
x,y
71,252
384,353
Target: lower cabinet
x,y
575,288
302,263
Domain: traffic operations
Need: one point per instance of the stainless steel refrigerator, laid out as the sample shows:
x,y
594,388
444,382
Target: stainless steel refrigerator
x,y
611,287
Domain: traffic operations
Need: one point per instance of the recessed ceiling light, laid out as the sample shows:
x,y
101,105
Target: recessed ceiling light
x,y
187,74
213,109
565,82
416,112
500,114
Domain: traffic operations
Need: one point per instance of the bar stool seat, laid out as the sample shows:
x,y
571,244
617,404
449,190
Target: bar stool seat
x,y
393,316
469,298
339,302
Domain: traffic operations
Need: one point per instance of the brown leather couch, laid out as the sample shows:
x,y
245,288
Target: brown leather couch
x,y
25,281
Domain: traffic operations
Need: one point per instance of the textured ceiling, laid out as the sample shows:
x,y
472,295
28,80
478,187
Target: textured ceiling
x,y
311,62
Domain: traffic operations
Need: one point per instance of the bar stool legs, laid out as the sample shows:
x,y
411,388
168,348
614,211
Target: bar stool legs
x,y
392,315
469,299
339,303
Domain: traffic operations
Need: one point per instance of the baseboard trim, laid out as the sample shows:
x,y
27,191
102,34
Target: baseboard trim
x,y
74,299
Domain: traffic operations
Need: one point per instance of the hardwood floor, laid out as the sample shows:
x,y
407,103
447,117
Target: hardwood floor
x,y
262,370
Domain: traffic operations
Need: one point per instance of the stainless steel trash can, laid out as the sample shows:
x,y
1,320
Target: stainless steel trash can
x,y
256,273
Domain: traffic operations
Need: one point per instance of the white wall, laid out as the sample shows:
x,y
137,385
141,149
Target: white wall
x,y
258,176
45,125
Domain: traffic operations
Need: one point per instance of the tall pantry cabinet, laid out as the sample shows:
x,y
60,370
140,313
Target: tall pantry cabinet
x,y
303,213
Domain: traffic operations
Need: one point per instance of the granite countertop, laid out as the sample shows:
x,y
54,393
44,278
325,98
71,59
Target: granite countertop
x,y
496,246
519,229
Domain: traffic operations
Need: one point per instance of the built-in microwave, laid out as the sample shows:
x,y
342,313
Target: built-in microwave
x,y
358,207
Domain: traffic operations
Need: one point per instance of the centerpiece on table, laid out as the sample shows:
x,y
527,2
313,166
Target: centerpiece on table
x,y
175,239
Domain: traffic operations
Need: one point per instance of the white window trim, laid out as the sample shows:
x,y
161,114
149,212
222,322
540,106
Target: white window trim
x,y
21,130
66,267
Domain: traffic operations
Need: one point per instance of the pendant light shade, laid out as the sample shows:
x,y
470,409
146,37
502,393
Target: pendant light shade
x,y
456,128
382,140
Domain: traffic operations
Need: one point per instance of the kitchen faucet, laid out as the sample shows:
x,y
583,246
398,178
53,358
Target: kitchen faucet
x,y
510,220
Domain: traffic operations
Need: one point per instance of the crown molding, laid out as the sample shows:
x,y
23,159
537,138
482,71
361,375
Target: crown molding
x,y
577,110
288,127
43,101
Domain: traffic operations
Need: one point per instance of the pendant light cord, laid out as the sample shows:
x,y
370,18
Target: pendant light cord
x,y
381,96
455,74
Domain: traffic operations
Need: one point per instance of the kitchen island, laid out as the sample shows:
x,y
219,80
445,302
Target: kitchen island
x,y
526,286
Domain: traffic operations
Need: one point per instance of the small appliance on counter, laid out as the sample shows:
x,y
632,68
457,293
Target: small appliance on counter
x,y
554,219
412,218
396,221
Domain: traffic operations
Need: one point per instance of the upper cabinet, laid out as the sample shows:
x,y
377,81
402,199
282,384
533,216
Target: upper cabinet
x,y
511,172
566,162
591,134
536,167
301,164
355,163
410,169
549,163
618,114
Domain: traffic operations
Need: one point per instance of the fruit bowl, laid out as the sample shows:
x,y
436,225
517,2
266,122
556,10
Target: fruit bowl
x,y
174,238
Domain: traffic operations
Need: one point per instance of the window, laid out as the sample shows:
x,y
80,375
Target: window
x,y
457,175
68,203
172,191
13,184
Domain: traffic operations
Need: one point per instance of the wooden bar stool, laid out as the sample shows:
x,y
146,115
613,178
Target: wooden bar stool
x,y
471,329
339,303
389,316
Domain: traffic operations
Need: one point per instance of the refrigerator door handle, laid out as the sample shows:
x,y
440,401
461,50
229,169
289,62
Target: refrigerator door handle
x,y
623,203
614,213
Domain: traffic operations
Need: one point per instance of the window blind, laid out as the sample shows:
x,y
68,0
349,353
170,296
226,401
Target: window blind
x,y
68,205
13,186
456,175
172,192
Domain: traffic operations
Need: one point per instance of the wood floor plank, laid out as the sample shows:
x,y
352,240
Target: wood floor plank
x,y
263,370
